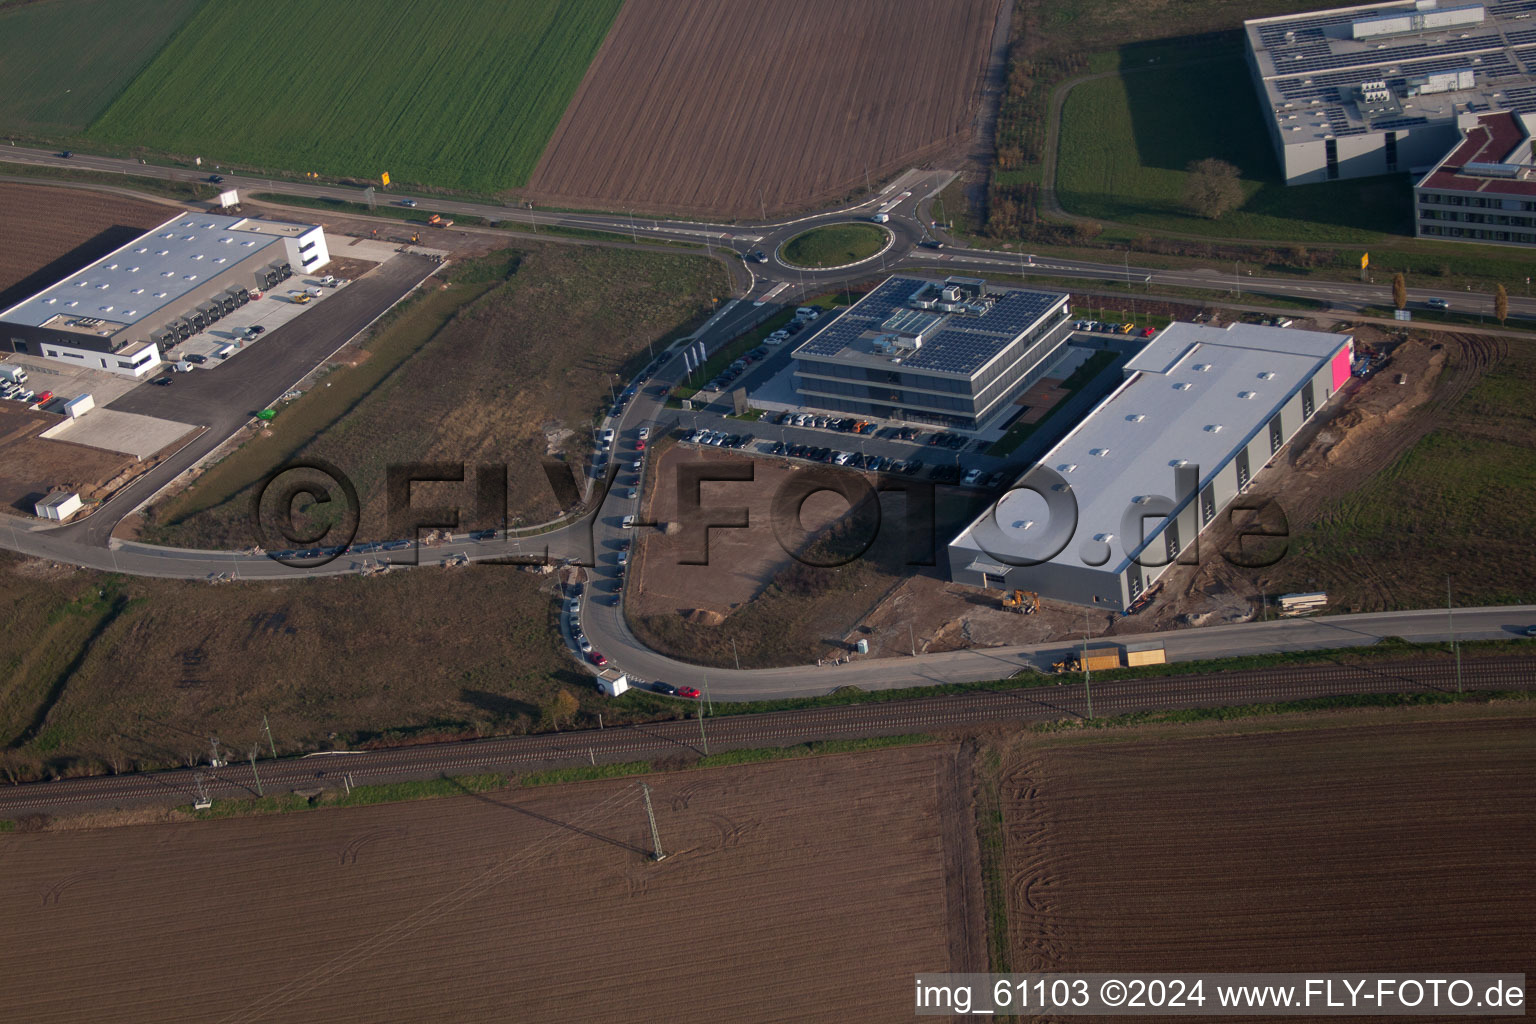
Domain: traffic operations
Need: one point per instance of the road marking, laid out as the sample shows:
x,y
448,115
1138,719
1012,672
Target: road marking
x,y
773,291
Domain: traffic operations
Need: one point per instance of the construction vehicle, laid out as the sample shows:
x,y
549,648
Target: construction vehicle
x,y
1025,602
1068,663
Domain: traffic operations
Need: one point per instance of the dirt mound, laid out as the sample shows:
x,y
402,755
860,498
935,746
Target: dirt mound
x,y
705,617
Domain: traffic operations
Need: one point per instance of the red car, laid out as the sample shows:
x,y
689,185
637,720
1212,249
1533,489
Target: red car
x,y
598,659
1147,332
639,446
44,397
687,691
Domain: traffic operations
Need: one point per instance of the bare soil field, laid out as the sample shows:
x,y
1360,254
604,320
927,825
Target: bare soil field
x,y
809,890
1347,842
31,466
708,107
51,232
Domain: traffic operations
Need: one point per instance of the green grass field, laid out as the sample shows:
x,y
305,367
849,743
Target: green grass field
x,y
460,95
61,64
835,245
1458,504
1126,140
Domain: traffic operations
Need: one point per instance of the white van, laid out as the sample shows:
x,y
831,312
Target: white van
x,y
881,218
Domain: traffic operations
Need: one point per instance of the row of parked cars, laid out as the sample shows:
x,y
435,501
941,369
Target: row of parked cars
x,y
718,439
21,393
725,377
944,439
1105,327
853,460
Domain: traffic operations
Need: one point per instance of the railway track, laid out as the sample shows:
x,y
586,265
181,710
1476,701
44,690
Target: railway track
x,y
640,742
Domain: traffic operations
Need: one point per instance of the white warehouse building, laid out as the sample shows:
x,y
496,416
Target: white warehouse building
x,y
1384,88
123,311
1104,513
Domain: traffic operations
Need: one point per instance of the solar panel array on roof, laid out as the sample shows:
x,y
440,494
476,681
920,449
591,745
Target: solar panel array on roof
x,y
963,344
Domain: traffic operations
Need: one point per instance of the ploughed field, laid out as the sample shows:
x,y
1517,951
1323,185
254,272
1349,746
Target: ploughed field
x,y
713,107
807,890
50,232
1347,847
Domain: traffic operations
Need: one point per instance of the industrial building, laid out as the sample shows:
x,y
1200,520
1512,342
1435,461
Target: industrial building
x,y
123,311
1382,88
1485,189
1200,413
946,353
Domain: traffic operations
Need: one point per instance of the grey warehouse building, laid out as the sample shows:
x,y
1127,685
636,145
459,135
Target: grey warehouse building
x,y
946,353
123,311
1383,88
1103,514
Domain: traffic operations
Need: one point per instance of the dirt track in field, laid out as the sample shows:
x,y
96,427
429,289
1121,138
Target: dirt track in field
x,y
1345,848
721,108
796,891
51,232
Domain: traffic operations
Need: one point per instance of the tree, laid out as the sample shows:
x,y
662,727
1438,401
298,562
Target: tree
x,y
560,708
1213,189
1500,303
1399,291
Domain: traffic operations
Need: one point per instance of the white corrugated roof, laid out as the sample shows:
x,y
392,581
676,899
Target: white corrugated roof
x,y
158,267
1195,396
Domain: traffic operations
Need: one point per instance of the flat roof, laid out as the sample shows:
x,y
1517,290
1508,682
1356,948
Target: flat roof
x,y
1313,65
1494,157
1194,396
958,337
150,272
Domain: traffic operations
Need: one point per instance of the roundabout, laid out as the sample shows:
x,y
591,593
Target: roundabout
x,y
836,246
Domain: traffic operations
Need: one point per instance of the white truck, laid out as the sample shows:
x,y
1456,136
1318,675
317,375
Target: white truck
x,y
13,373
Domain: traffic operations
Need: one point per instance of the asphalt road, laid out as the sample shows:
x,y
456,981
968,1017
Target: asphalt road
x,y
688,737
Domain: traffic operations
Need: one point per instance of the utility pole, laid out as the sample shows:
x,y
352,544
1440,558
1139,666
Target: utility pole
x,y
254,748
1451,622
267,727
204,801
1087,689
735,655
214,760
703,738
709,704
912,635
650,813
1237,284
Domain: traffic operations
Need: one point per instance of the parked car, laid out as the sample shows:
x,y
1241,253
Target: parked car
x,y
255,329
583,643
195,358
645,433
606,437
164,381
688,691
597,658
628,523
44,398
664,688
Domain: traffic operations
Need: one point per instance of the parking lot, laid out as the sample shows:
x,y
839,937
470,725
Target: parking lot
x,y
251,323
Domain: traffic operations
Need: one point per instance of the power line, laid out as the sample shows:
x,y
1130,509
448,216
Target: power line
x,y
650,813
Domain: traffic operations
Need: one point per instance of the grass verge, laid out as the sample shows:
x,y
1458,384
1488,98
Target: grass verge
x,y
835,245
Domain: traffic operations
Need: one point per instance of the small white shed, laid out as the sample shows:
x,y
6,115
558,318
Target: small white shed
x,y
612,682
79,406
58,506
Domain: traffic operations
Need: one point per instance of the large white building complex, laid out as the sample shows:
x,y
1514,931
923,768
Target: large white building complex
x,y
1103,514
1389,87
120,313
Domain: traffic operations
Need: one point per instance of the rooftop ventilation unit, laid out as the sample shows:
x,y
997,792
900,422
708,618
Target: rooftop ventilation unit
x,y
1099,452
1247,394
1136,417
1266,374
1213,428
1182,385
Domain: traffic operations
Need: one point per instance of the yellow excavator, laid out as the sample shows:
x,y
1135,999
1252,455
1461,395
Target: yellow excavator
x,y
1025,602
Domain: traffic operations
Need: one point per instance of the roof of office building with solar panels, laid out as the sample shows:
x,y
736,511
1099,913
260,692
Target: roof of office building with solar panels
x,y
955,327
1394,66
